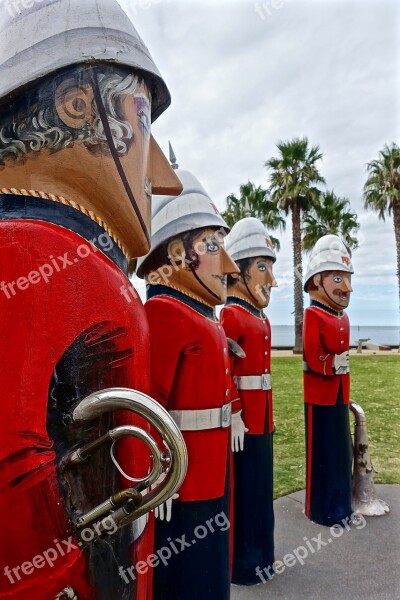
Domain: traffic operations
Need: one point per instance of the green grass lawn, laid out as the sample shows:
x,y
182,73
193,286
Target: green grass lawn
x,y
375,385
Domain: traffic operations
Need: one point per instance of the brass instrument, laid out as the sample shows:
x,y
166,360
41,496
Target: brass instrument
x,y
147,493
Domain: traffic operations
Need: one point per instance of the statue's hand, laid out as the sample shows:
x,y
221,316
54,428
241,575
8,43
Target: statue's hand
x,y
164,511
238,431
341,363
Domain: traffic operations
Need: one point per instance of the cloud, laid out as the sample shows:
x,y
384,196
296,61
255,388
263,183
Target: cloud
x,y
239,83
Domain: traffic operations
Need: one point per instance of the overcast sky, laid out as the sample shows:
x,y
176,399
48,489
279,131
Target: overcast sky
x,y
244,75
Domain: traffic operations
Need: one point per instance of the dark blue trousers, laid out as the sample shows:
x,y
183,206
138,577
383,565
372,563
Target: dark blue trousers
x,y
201,571
329,462
253,509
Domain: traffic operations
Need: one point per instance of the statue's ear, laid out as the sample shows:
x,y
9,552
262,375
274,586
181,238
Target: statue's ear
x,y
176,251
74,103
317,280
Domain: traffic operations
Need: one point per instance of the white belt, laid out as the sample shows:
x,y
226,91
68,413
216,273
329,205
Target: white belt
x,y
253,382
207,418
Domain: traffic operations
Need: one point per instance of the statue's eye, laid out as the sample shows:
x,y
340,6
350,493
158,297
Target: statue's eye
x,y
338,279
261,267
212,246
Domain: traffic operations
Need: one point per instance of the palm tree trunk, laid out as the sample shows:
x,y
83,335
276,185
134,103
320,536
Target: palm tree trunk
x,y
298,279
396,223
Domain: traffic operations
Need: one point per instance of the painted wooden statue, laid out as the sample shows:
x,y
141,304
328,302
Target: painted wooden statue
x,y
78,164
186,274
326,340
244,321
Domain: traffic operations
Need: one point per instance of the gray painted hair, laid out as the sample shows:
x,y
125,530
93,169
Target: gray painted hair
x,y
42,128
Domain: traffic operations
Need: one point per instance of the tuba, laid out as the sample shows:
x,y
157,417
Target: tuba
x,y
364,497
169,463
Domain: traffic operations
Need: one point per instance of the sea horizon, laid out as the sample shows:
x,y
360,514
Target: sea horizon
x,y
387,335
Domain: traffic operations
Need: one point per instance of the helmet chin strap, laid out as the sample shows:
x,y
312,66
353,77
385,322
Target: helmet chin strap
x,y
331,299
204,285
247,288
113,150
188,251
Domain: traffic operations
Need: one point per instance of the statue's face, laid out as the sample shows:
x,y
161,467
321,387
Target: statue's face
x,y
260,281
116,186
334,289
111,175
137,164
212,266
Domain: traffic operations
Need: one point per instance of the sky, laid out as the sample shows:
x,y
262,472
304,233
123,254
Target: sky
x,y
245,74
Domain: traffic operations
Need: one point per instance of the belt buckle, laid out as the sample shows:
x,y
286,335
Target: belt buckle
x,y
266,381
226,415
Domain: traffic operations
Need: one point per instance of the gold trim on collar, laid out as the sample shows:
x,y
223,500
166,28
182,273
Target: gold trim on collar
x,y
174,287
72,204
259,310
338,313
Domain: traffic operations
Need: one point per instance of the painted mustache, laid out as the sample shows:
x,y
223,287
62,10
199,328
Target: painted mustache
x,y
342,295
222,278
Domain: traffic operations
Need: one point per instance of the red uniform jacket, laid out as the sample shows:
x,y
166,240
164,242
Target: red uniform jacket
x,y
324,335
40,321
190,370
253,334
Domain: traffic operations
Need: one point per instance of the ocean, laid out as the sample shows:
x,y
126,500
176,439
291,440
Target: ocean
x,y
283,335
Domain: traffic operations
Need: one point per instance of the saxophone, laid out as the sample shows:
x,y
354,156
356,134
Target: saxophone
x,y
364,498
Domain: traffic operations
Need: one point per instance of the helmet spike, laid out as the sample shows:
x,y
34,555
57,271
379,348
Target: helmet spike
x,y
172,158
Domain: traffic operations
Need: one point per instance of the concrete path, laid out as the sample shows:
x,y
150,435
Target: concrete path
x,y
363,563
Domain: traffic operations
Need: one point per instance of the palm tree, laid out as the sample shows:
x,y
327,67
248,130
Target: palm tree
x,y
293,177
331,215
382,191
253,201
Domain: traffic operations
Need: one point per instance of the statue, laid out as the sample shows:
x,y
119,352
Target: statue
x,y
186,273
326,340
244,321
78,165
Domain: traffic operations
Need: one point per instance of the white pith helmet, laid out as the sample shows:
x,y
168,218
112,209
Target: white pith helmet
x,y
328,254
50,35
173,215
249,238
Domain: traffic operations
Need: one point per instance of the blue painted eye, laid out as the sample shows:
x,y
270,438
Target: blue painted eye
x,y
212,247
261,267
338,279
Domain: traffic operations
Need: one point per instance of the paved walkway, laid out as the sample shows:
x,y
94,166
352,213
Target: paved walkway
x,y
362,564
